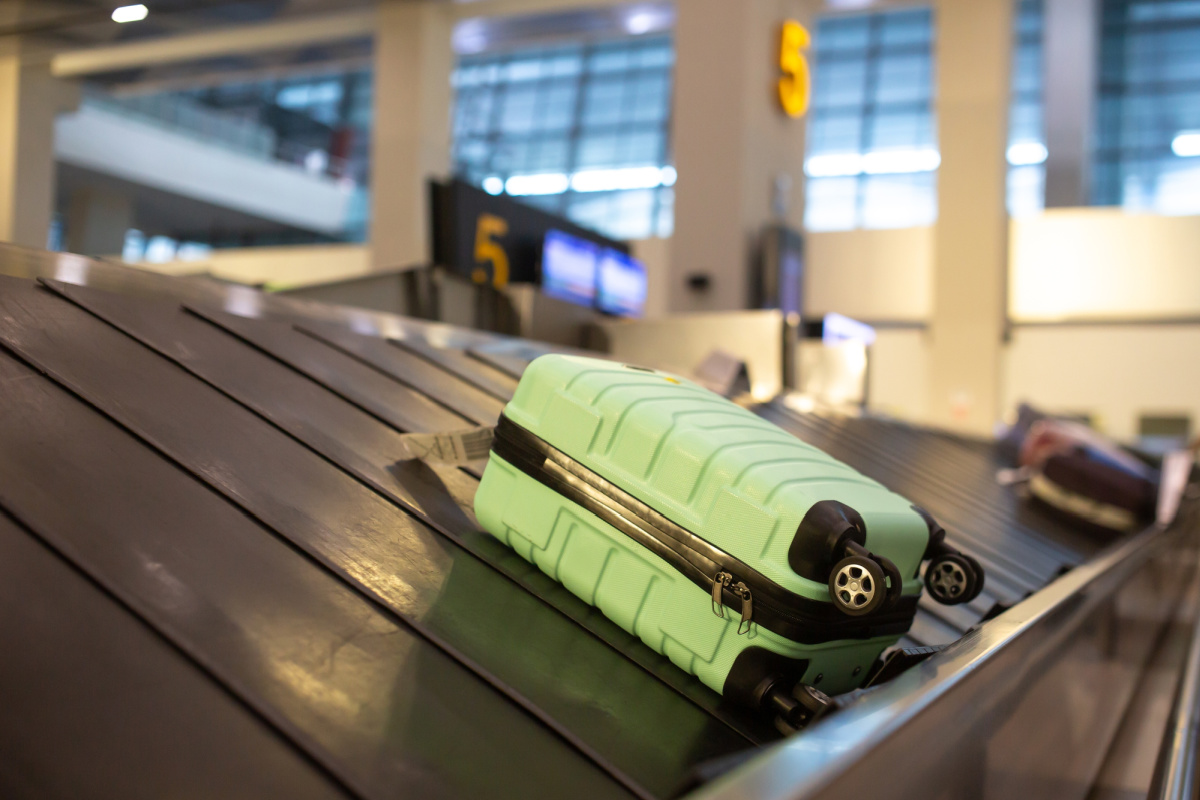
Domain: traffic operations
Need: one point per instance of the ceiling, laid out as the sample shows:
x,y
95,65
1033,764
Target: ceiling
x,y
76,23
67,25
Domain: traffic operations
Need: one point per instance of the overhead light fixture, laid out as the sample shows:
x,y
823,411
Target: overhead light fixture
x,y
833,165
130,13
609,180
1186,143
1025,154
640,22
898,162
540,183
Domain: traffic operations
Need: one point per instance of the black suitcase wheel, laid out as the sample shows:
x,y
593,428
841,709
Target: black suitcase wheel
x,y
952,579
978,574
857,586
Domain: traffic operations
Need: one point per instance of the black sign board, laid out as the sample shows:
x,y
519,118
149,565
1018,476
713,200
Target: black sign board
x,y
494,238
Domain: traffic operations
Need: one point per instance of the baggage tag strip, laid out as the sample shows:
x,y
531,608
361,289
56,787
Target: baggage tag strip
x,y
454,448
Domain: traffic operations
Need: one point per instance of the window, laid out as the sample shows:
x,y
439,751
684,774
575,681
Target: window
x,y
1147,154
580,130
1026,130
872,148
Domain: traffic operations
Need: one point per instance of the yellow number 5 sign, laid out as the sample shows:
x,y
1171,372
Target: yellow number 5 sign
x,y
488,228
795,85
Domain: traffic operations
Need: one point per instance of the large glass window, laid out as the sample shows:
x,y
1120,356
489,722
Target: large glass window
x,y
872,145
1026,130
1147,154
579,129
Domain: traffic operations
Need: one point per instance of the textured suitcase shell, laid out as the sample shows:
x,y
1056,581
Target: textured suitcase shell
x,y
718,470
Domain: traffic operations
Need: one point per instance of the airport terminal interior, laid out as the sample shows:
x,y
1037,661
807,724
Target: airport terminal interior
x,y
741,399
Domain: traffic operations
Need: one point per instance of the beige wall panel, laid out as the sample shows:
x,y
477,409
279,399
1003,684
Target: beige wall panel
x,y
870,274
1115,372
277,267
898,378
1102,262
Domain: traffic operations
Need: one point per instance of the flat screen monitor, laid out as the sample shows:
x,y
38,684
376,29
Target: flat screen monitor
x,y
622,284
569,268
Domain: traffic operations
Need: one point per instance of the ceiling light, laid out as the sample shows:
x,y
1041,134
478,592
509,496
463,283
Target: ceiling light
x,y
1024,154
833,165
640,22
1186,143
540,183
893,162
130,13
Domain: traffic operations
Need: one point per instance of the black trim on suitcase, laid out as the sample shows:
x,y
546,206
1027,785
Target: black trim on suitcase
x,y
775,608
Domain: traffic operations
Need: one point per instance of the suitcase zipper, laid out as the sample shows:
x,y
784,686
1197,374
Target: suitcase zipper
x,y
743,591
777,609
722,581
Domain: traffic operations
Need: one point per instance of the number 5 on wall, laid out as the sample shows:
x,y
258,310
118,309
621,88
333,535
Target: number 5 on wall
x,y
488,249
795,85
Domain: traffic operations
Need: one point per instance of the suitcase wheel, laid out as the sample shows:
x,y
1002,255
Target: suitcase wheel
x,y
857,586
953,578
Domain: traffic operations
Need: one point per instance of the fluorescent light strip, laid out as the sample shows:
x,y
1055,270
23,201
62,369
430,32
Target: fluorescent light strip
x,y
588,180
608,180
898,162
1186,144
876,162
538,184
130,13
1025,154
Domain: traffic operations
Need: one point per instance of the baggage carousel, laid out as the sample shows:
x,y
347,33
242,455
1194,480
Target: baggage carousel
x,y
218,582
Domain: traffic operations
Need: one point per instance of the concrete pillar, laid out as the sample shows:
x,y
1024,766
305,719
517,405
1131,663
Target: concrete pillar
x,y
97,220
974,45
1071,32
410,136
733,145
29,100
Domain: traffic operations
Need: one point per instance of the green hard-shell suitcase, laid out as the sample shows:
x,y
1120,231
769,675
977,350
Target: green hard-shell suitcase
x,y
752,560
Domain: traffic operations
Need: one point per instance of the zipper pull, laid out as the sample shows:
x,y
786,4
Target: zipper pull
x,y
721,580
743,591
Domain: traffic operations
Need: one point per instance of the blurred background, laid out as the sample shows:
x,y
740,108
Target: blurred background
x,y
1005,192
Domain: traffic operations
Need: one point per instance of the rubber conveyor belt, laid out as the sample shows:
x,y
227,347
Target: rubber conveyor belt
x,y
340,680
577,686
231,488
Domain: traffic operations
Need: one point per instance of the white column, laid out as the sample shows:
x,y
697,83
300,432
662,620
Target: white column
x,y
29,101
731,141
410,136
1071,31
974,46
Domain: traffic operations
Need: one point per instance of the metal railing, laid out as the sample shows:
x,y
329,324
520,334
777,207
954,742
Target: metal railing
x,y
1024,705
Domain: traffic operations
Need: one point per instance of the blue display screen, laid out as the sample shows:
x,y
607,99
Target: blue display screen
x,y
569,267
622,284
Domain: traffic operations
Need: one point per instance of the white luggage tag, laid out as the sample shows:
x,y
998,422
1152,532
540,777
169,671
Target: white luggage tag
x,y
453,448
